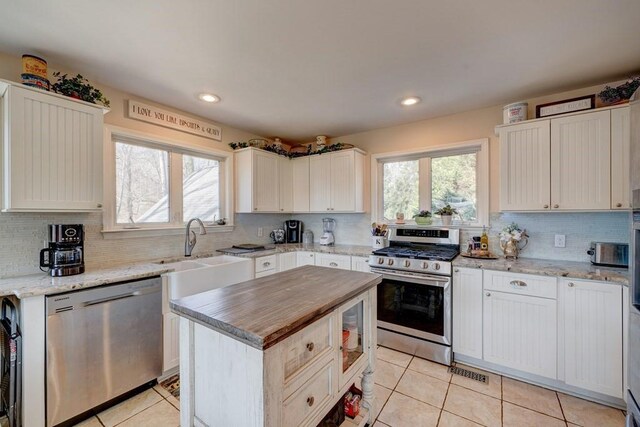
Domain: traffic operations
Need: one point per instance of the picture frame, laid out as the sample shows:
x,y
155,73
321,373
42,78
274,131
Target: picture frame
x,y
564,106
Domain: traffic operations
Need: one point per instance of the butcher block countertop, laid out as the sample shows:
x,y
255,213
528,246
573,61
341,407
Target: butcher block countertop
x,y
261,312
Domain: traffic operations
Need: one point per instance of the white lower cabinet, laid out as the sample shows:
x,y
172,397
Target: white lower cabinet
x,y
520,332
171,338
305,258
333,261
265,266
287,261
592,317
360,263
467,312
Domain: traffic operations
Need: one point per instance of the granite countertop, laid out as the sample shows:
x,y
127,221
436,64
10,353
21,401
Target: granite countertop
x,y
572,269
43,284
264,311
354,250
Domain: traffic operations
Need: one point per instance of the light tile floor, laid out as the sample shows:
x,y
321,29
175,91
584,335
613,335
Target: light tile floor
x,y
415,392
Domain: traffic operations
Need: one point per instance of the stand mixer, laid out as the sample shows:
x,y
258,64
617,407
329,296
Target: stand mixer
x,y
328,225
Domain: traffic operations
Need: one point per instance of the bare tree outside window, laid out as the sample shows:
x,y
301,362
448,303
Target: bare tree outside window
x,y
453,182
401,189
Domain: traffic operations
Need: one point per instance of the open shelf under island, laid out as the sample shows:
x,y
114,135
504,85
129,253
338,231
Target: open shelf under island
x,y
278,350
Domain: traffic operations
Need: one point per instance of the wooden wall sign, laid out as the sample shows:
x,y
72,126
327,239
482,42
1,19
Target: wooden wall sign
x,y
158,116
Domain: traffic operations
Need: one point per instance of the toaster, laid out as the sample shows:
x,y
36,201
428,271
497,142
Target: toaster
x,y
611,254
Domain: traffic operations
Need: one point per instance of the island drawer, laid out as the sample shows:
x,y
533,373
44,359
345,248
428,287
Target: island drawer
x,y
308,345
521,284
265,263
313,395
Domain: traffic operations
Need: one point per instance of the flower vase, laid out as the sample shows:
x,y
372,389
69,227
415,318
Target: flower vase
x,y
423,220
446,219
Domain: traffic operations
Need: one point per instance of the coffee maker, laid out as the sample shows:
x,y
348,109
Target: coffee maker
x,y
293,231
65,254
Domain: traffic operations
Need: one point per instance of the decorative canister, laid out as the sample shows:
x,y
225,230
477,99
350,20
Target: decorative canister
x,y
516,112
35,81
35,66
379,242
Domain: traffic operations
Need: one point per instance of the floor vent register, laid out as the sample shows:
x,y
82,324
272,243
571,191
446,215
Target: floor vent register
x,y
469,374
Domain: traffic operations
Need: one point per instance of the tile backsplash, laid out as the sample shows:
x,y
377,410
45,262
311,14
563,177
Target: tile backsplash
x,y
22,235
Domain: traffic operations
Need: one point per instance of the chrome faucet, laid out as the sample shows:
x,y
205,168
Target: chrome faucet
x,y
190,238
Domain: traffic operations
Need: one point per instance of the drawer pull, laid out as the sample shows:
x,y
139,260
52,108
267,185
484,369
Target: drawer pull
x,y
571,284
266,264
310,400
618,205
518,283
333,264
310,346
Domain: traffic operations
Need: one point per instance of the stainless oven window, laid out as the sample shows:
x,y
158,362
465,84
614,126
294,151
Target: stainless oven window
x,y
415,306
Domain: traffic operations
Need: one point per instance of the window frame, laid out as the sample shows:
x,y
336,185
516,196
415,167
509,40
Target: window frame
x,y
480,146
175,149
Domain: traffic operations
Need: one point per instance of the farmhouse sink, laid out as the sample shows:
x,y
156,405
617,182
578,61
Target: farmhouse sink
x,y
205,274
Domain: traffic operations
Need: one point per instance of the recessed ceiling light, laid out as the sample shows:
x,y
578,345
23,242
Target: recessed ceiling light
x,y
207,97
410,100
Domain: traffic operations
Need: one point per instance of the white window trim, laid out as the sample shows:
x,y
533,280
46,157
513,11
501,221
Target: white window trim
x,y
111,230
482,177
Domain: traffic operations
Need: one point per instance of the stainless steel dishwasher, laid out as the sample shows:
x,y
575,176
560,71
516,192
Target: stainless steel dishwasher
x,y
101,343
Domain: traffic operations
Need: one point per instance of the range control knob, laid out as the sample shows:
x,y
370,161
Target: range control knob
x,y
390,261
407,263
380,260
436,266
425,265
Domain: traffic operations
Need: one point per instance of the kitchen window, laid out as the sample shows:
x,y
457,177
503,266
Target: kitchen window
x,y
157,185
456,175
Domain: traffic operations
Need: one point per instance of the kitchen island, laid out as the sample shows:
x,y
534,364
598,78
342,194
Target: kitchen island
x,y
280,350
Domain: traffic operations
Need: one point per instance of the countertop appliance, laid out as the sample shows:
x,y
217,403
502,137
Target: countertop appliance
x,y
10,363
414,298
328,227
293,231
609,254
64,255
633,374
101,343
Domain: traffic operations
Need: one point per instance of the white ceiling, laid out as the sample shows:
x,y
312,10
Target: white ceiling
x,y
296,69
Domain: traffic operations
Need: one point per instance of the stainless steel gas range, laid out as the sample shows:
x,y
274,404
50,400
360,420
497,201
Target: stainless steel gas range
x,y
414,298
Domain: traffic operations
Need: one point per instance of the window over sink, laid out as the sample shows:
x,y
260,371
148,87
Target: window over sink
x,y
155,184
429,179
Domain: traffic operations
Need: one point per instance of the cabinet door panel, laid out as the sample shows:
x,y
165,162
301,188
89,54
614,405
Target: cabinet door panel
x,y
342,182
265,182
319,183
300,180
620,158
525,167
55,150
287,261
593,336
360,264
171,340
467,312
520,332
285,177
581,161
305,258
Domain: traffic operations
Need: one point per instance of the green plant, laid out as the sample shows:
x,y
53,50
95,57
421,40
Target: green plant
x,y
423,214
78,87
446,210
623,92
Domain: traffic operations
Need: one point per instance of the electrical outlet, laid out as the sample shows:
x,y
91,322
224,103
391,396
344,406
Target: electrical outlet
x,y
560,241
260,232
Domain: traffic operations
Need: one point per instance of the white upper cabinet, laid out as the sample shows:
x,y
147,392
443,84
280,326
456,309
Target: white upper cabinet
x,y
620,158
337,181
51,151
285,178
593,345
300,182
467,315
573,162
257,181
525,167
581,161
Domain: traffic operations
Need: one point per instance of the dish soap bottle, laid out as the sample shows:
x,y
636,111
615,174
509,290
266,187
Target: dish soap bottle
x,y
484,240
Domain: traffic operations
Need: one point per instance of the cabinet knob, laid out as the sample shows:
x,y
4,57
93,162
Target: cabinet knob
x,y
618,205
255,209
281,209
310,400
310,346
99,205
457,270
571,284
488,294
556,206
546,206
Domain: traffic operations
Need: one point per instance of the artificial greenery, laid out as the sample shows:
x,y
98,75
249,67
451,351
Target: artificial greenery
x,y
276,148
78,87
446,210
423,214
611,95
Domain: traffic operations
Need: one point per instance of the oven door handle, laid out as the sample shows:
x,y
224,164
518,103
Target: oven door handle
x,y
440,282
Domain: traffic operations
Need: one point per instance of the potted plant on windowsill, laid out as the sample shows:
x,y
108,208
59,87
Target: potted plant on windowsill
x,y
446,214
423,217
